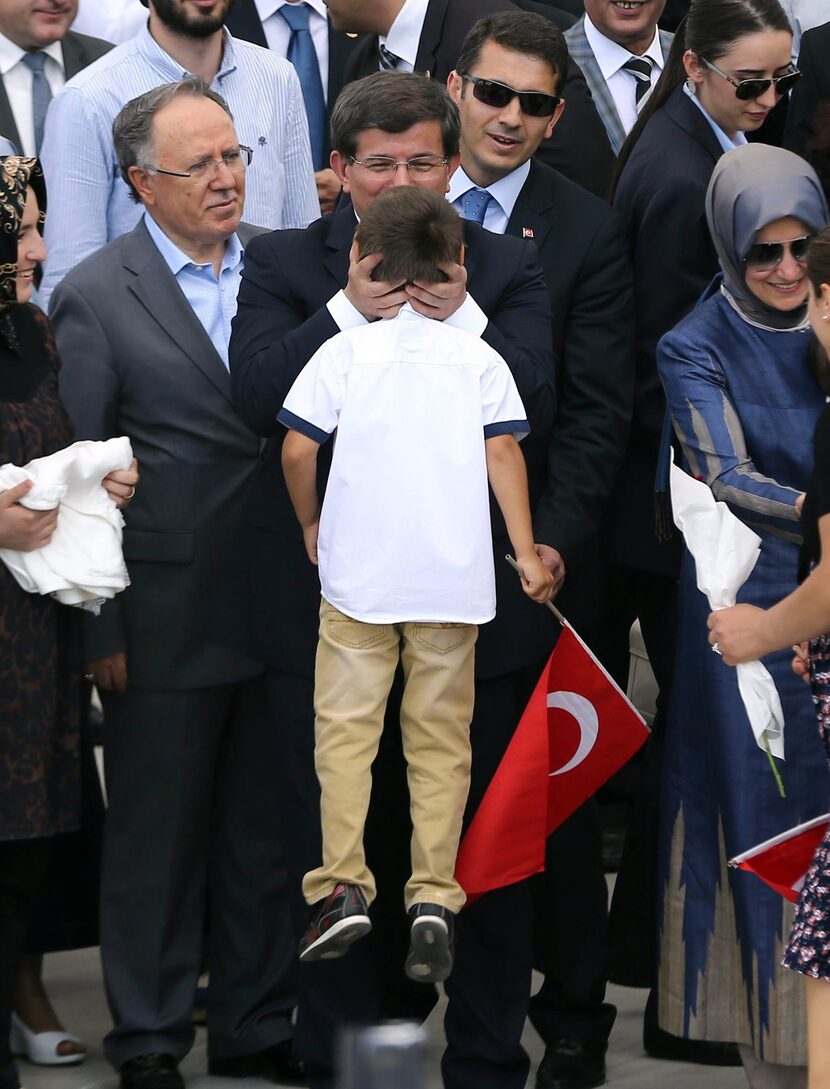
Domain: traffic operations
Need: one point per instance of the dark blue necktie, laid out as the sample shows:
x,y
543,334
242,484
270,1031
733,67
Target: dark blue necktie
x,y
41,93
303,56
388,60
474,205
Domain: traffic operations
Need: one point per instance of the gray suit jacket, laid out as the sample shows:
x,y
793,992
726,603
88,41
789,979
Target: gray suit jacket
x,y
136,361
79,50
582,53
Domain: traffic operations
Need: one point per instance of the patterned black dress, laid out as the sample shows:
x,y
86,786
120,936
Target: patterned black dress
x,y
809,949
40,640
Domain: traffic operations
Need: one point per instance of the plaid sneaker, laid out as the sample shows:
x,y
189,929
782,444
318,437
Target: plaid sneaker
x,y
334,924
430,943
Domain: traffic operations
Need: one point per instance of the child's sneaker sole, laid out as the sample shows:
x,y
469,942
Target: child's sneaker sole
x,y
429,959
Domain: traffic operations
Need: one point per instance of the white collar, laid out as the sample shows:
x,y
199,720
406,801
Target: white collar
x,y
10,54
267,8
505,191
611,57
404,35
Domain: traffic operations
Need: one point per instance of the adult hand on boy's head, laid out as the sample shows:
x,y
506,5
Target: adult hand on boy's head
x,y
372,298
440,300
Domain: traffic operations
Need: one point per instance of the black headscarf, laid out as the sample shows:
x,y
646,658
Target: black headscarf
x,y
23,361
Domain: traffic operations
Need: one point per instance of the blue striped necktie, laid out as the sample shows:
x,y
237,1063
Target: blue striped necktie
x,y
41,93
303,56
389,61
640,68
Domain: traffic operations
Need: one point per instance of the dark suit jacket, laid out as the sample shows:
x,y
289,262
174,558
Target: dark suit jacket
x,y
584,254
243,21
813,86
79,50
662,194
281,321
137,362
579,148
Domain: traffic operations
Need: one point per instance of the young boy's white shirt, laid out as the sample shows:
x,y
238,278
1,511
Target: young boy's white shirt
x,y
405,523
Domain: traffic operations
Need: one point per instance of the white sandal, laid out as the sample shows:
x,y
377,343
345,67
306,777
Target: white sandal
x,y
42,1047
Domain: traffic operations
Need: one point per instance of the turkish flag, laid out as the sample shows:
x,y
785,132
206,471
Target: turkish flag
x,y
577,730
783,861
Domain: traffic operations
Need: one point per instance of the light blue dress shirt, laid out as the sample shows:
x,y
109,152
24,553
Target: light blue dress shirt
x,y
726,142
90,204
212,299
505,193
6,147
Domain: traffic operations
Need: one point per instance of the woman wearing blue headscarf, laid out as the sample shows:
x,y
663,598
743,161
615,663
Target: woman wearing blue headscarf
x,y
744,401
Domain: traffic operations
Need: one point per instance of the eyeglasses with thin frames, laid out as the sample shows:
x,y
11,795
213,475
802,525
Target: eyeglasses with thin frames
x,y
385,166
236,160
747,89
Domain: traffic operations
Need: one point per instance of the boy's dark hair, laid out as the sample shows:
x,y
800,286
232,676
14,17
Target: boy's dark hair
x,y
415,229
392,102
523,32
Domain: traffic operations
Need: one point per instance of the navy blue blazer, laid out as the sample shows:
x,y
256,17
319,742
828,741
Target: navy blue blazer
x,y
281,321
662,195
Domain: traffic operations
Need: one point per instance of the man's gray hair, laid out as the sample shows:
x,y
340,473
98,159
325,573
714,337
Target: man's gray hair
x,y
132,130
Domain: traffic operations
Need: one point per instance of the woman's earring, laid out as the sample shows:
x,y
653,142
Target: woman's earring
x,y
690,85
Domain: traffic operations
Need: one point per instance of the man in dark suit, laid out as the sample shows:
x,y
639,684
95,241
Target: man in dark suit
x,y
583,250
332,50
299,288
40,53
143,327
813,86
581,151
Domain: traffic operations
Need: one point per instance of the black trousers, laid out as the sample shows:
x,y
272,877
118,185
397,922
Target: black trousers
x,y
193,824
22,864
489,988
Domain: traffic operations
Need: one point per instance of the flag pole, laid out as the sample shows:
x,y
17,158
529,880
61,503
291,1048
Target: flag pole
x,y
548,604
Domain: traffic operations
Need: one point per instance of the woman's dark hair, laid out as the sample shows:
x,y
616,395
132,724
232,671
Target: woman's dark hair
x,y
710,29
818,272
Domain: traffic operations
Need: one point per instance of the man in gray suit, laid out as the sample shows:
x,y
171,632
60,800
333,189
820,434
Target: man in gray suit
x,y
621,53
38,54
143,328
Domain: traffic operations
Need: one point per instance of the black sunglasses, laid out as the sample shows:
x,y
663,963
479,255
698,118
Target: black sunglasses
x,y
747,89
764,256
499,95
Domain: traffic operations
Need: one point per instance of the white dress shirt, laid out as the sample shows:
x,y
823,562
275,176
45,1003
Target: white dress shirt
x,y
113,20
404,34
405,525
804,15
278,33
505,193
17,79
623,85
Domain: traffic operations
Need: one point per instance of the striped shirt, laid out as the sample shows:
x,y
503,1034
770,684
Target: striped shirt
x,y
212,298
90,204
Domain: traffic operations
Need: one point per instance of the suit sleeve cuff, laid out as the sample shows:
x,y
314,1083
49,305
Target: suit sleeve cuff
x,y
344,314
469,317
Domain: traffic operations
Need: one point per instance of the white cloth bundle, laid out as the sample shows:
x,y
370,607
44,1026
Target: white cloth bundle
x,y
725,551
83,563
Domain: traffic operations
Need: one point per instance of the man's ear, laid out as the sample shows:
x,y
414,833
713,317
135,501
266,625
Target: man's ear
x,y
557,113
462,254
455,85
141,181
340,165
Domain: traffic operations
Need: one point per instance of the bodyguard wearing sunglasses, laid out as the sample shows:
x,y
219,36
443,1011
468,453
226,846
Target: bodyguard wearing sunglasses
x,y
426,36
507,85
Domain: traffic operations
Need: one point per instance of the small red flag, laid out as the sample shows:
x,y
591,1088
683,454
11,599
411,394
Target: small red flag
x,y
577,730
783,861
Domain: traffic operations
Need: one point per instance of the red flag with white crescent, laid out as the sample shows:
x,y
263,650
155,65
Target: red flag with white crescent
x,y
578,729
783,861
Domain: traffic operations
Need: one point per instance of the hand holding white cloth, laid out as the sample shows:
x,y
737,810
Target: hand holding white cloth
x,y
725,551
83,563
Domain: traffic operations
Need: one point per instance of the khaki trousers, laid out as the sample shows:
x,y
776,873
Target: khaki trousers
x,y
356,664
